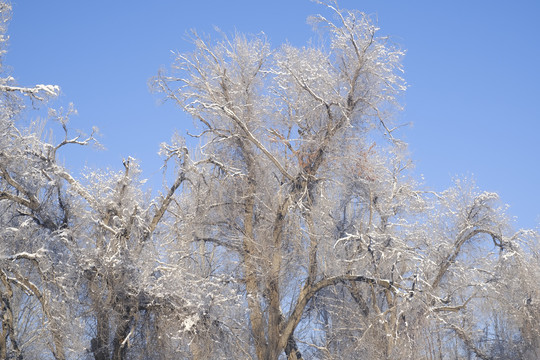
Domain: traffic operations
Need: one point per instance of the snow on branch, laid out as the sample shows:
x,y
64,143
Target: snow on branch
x,y
39,92
25,255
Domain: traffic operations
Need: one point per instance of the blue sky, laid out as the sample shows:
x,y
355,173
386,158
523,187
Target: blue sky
x,y
472,68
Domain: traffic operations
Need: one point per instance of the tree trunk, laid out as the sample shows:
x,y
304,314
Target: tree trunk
x,y
120,341
291,350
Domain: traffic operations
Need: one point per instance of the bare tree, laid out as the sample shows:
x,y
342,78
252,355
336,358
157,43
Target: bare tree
x,y
282,132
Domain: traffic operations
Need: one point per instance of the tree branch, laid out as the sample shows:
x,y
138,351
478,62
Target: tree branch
x,y
308,291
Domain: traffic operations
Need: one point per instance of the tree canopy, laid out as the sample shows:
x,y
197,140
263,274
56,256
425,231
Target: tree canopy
x,y
293,229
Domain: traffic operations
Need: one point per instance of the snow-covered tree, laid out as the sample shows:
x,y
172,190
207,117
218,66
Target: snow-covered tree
x,y
308,191
294,229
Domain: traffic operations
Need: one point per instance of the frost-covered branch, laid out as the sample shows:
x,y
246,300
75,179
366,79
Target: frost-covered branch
x,y
165,203
39,92
24,255
31,202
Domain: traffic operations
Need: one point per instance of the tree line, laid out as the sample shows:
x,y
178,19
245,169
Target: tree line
x,y
295,229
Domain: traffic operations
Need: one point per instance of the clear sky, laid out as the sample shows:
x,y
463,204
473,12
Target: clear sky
x,y
472,67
